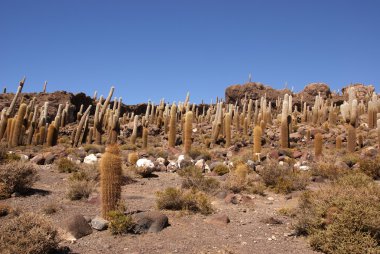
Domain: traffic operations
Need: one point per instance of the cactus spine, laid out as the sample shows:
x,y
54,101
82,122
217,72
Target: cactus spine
x,y
110,179
188,131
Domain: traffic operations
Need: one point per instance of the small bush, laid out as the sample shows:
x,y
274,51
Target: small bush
x,y
50,209
344,217
327,170
16,177
350,159
65,165
4,210
94,148
119,223
157,152
86,173
128,147
30,234
237,180
221,169
193,178
370,167
177,199
200,153
283,179
80,189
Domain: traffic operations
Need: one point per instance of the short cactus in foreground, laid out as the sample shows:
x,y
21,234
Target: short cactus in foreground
x,y
351,138
110,179
318,145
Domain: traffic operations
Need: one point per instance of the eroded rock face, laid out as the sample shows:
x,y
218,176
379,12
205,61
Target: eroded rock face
x,y
253,90
314,89
361,90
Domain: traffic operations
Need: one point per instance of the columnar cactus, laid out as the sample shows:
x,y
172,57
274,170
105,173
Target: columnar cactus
x,y
134,132
9,111
227,128
99,116
257,133
351,138
338,142
18,125
188,131
110,179
80,126
172,125
52,135
318,145
145,137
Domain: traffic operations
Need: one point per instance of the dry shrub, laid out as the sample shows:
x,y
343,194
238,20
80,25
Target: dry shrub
x,y
141,171
282,178
119,223
327,170
190,200
50,208
16,177
157,152
193,178
65,165
370,167
350,159
221,169
240,180
80,189
93,148
199,153
86,173
128,146
28,234
344,217
5,210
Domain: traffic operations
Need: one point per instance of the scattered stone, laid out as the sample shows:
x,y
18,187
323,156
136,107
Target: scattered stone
x,y
145,163
99,223
76,227
38,159
90,159
218,219
150,222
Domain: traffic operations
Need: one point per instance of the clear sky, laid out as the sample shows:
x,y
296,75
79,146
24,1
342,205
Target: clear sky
x,y
154,49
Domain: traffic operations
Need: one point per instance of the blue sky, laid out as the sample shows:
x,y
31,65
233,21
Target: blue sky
x,y
154,49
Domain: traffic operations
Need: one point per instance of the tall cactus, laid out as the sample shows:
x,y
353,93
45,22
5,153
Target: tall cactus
x,y
110,179
351,138
9,111
134,132
318,145
338,142
172,125
18,125
188,131
227,129
257,133
80,126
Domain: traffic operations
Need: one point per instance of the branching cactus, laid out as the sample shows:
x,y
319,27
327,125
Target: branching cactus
x,y
80,126
110,179
9,111
99,117
188,131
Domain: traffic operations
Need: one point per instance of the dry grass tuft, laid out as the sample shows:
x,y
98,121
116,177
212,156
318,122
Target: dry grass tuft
x,y
344,217
29,234
179,200
16,177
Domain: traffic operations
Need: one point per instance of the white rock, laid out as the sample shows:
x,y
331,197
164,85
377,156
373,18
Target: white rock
x,y
24,157
160,160
180,159
207,168
90,159
144,163
195,130
172,166
200,164
305,168
98,155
